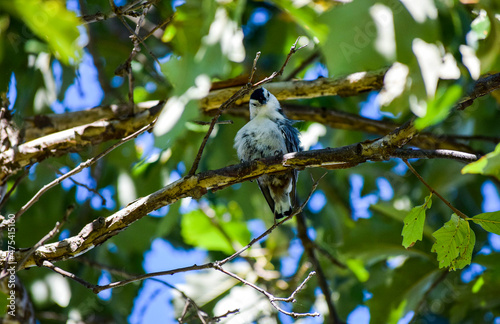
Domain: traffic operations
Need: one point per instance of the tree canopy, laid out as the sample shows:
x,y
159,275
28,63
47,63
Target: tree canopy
x,y
123,200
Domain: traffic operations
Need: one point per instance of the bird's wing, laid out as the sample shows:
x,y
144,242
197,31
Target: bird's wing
x,y
267,194
291,136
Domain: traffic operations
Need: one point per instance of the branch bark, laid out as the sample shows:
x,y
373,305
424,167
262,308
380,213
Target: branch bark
x,y
344,86
101,229
71,140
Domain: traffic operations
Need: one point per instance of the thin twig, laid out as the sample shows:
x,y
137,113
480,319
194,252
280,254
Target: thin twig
x,y
302,65
127,275
456,211
97,289
78,183
221,122
271,297
67,274
299,288
293,50
215,265
139,39
234,311
80,167
254,67
160,25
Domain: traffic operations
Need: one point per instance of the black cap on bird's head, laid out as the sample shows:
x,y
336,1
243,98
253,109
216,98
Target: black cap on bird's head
x,y
260,96
264,103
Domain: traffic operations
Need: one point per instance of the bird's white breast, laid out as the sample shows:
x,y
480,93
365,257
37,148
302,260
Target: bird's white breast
x,y
260,137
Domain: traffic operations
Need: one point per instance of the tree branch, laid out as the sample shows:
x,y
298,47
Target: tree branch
x,y
100,230
47,237
76,170
344,86
482,87
72,140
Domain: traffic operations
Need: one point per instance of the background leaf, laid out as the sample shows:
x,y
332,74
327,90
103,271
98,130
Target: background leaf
x,y
413,228
486,165
489,221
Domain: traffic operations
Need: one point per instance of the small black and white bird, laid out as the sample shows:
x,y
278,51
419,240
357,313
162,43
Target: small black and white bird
x,y
269,133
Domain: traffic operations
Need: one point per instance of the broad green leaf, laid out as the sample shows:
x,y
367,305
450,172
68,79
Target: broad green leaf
x,y
198,230
486,165
413,227
489,221
52,22
439,107
454,243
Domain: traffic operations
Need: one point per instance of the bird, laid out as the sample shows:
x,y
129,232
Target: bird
x,y
270,133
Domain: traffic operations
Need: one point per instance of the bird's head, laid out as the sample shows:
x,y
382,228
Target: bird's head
x,y
265,104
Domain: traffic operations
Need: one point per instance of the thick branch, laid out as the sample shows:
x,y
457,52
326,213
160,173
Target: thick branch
x,y
345,86
350,85
482,87
100,230
72,140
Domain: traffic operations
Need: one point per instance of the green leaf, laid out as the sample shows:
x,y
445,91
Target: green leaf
x,y
357,267
306,17
351,44
486,165
454,243
489,221
198,230
466,251
52,22
414,223
439,107
397,313
488,49
481,25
